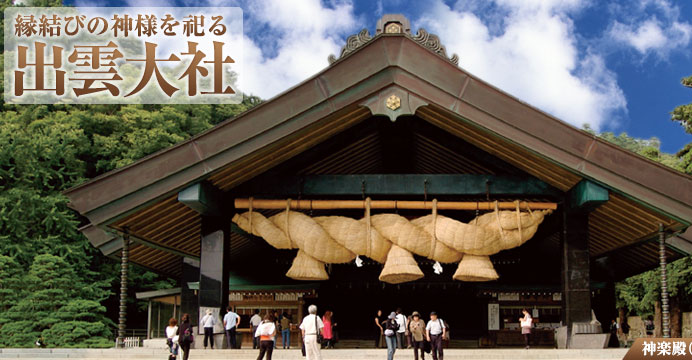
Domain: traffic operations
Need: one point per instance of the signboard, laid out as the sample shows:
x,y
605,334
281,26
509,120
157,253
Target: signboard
x,y
508,296
122,55
493,316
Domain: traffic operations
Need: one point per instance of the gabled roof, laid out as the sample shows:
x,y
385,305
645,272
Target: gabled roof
x,y
354,87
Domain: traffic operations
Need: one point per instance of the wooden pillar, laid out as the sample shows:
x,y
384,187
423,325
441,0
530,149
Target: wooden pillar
x,y
576,276
213,268
149,329
188,297
665,308
215,236
122,314
575,269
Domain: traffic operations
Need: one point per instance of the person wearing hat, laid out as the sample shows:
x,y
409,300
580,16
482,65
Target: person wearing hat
x,y
435,331
208,322
391,326
417,329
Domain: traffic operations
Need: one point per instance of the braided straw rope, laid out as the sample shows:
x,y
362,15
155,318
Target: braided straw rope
x,y
392,240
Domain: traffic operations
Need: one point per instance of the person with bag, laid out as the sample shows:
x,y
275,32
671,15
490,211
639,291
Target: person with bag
x,y
391,326
435,330
185,336
311,329
526,324
172,338
416,327
208,321
266,332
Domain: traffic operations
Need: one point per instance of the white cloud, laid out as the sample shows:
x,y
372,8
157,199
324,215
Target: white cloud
x,y
651,27
533,56
300,35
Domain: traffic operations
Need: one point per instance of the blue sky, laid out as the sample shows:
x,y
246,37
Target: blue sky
x,y
616,65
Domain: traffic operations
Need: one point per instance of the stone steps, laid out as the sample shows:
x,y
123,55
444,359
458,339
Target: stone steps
x,y
294,354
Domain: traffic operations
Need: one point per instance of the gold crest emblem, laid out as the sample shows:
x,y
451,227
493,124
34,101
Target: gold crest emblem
x,y
393,102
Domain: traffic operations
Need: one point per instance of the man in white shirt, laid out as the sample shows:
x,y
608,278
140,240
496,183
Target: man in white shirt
x,y
208,322
435,331
255,321
401,332
311,327
230,321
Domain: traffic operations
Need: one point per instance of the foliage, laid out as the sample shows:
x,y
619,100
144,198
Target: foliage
x,y
683,115
53,283
640,292
52,305
10,274
44,150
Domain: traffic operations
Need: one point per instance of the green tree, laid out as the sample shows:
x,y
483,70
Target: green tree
x,y
10,274
45,149
683,115
52,306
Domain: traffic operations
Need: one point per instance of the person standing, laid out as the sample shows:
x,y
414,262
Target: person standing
x,y
416,328
286,330
255,321
526,324
327,333
230,322
277,324
649,326
379,331
208,322
310,328
390,334
625,329
614,330
185,337
435,330
172,338
401,332
266,332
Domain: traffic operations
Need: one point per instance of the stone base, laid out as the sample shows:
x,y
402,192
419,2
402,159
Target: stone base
x,y
589,341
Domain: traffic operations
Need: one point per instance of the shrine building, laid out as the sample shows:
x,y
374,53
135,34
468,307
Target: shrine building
x,y
395,178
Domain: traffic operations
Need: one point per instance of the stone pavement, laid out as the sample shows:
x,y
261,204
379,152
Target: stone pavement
x,y
294,354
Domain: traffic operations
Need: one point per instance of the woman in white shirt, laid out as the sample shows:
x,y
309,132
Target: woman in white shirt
x,y
266,332
526,324
172,338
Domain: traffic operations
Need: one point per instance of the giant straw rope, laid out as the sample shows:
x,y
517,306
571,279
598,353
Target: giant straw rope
x,y
392,239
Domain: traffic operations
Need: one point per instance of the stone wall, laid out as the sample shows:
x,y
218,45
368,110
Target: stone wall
x,y
637,326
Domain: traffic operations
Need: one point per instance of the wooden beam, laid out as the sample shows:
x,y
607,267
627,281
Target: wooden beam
x,y
161,247
588,195
680,245
204,198
388,204
400,184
